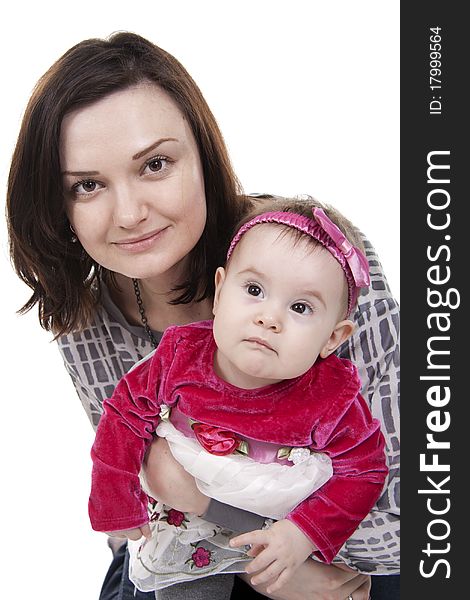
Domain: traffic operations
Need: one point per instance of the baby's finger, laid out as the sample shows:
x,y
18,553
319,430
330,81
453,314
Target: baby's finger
x,y
116,534
134,534
255,550
251,538
146,532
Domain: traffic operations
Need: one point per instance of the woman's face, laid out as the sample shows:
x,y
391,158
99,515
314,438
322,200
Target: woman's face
x,y
133,181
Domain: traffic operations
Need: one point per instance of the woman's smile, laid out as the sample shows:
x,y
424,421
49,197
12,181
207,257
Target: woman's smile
x,y
141,243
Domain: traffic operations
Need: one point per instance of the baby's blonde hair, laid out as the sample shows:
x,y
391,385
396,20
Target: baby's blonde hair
x,y
302,205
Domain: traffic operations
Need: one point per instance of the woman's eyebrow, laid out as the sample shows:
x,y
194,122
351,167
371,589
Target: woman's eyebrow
x,y
152,147
135,157
80,173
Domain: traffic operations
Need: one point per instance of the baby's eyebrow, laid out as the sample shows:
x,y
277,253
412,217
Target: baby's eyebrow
x,y
250,271
315,294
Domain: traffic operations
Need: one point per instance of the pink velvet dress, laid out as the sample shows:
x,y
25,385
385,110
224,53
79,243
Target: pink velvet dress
x,y
319,417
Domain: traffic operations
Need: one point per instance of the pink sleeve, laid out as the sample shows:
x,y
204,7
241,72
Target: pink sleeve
x,y
355,445
124,433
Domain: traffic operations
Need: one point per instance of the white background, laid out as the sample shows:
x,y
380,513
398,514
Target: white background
x,y
307,96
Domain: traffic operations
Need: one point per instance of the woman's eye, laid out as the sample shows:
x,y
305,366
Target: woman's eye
x,y
301,308
254,290
85,187
157,164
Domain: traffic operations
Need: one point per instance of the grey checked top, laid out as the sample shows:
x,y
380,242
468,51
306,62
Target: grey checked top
x,y
99,356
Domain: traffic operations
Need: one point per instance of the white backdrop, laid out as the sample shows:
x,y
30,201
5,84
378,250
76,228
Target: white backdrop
x,y
307,96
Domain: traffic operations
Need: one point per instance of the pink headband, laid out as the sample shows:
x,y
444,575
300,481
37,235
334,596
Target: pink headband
x,y
322,229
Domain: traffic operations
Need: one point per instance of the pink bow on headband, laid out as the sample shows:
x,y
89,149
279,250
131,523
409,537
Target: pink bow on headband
x,y
356,260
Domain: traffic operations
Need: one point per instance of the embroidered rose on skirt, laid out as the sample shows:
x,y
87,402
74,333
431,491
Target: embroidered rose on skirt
x,y
175,517
201,557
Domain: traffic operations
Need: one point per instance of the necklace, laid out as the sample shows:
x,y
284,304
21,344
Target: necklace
x,y
143,316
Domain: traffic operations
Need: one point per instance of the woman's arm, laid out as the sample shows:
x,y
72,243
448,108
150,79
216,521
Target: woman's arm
x,y
168,481
374,348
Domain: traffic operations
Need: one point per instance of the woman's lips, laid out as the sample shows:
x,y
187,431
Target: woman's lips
x,y
142,243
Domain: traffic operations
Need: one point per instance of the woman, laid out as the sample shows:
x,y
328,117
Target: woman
x,y
120,204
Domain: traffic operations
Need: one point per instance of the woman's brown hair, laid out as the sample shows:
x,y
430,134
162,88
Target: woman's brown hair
x,y
64,279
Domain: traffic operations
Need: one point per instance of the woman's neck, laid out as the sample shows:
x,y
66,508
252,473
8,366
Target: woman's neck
x,y
155,300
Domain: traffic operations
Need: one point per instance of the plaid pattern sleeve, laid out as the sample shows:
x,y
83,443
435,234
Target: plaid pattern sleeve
x,y
97,357
374,349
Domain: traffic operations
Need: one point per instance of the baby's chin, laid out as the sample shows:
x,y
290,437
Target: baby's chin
x,y
253,375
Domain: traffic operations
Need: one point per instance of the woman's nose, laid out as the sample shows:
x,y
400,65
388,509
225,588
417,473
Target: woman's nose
x,y
129,208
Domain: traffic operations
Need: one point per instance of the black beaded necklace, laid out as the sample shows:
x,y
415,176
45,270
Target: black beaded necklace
x,y
143,316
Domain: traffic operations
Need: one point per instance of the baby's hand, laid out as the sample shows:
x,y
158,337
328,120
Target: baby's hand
x,y
132,534
279,551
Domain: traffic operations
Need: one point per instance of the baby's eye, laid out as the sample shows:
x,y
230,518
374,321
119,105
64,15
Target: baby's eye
x,y
302,308
254,290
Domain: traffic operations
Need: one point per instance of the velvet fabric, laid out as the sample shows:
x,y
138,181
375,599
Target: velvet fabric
x,y
321,410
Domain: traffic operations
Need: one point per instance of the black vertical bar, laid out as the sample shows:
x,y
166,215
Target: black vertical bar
x,y
435,240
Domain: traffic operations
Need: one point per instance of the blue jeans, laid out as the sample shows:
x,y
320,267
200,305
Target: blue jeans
x,y
117,585
385,587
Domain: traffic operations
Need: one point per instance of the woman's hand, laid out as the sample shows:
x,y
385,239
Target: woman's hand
x,y
317,581
167,480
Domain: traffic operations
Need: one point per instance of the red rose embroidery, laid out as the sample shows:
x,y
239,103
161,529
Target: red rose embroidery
x,y
216,441
175,517
201,557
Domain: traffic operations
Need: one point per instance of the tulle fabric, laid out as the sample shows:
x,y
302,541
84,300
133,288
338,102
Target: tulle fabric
x,y
271,490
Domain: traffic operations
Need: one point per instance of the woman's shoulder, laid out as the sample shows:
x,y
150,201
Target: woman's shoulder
x,y
379,288
377,316
107,348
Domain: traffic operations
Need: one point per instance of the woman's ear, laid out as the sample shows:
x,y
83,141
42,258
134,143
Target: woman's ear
x,y
219,282
342,331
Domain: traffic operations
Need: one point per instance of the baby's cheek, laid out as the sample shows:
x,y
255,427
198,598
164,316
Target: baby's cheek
x,y
299,361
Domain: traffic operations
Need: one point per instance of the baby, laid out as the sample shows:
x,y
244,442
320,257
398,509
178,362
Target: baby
x,y
256,406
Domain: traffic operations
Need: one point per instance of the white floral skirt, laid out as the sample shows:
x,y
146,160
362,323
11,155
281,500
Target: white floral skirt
x,y
184,546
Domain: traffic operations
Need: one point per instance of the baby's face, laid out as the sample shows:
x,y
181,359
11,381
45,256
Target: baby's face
x,y
277,308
